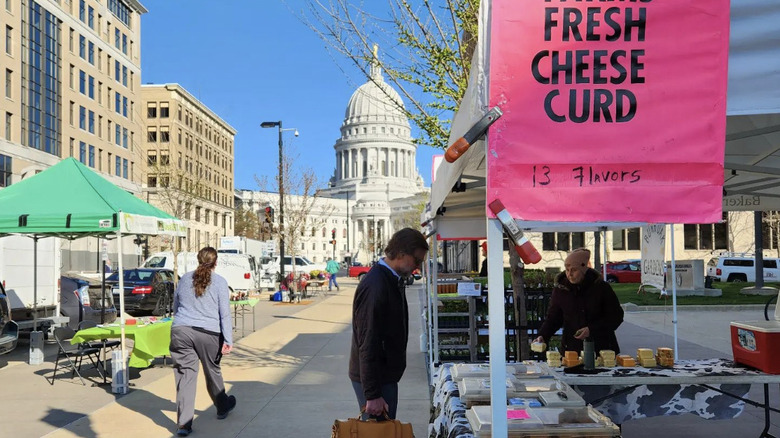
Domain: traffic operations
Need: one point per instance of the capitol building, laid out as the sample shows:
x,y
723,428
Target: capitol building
x,y
375,188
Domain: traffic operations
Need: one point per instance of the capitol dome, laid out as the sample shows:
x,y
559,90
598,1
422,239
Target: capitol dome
x,y
375,101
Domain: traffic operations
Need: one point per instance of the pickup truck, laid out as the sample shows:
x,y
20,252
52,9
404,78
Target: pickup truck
x,y
358,271
302,264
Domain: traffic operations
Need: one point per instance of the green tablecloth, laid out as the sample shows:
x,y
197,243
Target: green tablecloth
x,y
150,340
248,302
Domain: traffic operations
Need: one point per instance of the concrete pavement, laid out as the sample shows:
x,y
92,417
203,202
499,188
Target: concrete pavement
x,y
290,379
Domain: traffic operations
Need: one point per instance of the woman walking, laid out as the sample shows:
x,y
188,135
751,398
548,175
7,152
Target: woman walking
x,y
201,331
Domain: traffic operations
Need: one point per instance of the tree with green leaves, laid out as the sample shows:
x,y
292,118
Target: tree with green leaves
x,y
427,48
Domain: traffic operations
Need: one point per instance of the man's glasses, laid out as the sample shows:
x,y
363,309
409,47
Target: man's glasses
x,y
417,261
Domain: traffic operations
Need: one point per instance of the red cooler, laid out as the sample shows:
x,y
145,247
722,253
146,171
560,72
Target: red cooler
x,y
757,344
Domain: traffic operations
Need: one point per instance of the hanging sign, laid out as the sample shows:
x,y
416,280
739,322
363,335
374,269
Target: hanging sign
x,y
653,254
612,111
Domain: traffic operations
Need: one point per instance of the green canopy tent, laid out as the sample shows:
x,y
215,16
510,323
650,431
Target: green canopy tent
x,y
69,200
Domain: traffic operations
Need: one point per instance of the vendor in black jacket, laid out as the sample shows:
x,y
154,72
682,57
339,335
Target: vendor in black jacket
x,y
380,325
584,305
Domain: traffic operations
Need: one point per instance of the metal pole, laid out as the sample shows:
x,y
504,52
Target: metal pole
x,y
348,249
281,205
35,283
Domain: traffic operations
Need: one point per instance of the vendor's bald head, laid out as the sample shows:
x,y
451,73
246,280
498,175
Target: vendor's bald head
x,y
576,264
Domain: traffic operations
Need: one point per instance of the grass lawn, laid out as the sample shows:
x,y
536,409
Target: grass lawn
x,y
626,293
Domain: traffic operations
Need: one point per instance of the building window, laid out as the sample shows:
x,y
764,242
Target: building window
x,y
120,11
91,17
8,43
118,103
124,138
82,47
91,122
151,135
117,70
124,44
770,225
707,236
91,88
151,110
151,158
562,241
118,166
124,168
82,118
83,152
165,159
118,135
117,38
82,82
165,134
82,10
151,181
626,240
124,106
91,53
8,83
91,156
124,75
8,126
5,171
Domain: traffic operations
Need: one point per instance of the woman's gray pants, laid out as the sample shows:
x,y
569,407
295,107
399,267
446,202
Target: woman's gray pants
x,y
188,346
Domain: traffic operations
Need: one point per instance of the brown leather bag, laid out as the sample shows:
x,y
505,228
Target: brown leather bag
x,y
357,428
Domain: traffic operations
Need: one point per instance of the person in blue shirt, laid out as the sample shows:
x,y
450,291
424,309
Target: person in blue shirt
x,y
332,268
202,331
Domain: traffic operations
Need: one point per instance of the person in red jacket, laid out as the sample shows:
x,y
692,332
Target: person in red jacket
x,y
380,325
584,305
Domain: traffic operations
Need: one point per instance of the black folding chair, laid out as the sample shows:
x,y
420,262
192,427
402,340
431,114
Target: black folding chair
x,y
74,354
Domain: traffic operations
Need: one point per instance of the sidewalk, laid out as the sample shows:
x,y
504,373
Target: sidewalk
x,y
290,379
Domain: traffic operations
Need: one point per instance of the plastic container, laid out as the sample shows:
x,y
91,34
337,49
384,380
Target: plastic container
x,y
545,422
757,344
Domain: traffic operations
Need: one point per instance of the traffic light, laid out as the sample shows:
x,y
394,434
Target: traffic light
x,y
333,241
333,234
269,215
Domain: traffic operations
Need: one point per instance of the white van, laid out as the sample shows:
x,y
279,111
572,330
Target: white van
x,y
238,269
743,268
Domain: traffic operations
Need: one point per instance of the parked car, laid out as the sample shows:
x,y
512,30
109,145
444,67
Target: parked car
x,y
741,268
9,330
146,290
81,299
624,272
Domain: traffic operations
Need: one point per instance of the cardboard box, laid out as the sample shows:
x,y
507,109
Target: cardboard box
x,y
757,344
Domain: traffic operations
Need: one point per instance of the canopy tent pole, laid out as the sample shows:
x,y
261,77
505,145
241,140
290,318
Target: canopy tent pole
x,y
435,303
428,311
674,297
604,258
497,329
35,283
120,270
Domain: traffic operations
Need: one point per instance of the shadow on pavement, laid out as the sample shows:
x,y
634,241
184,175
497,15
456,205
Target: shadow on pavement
x,y
59,418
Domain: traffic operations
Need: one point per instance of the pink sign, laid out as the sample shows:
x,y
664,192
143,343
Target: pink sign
x,y
613,111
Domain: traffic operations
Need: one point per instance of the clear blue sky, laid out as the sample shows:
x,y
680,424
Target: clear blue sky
x,y
254,61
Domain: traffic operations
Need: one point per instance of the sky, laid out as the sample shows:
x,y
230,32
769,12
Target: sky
x,y
251,61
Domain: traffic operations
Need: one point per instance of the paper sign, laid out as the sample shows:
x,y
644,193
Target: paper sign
x,y
653,254
469,289
613,111
517,414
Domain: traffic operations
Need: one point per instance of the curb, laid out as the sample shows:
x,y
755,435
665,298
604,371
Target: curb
x,y
630,307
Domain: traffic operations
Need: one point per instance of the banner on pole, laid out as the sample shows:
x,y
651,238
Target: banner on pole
x,y
612,111
653,254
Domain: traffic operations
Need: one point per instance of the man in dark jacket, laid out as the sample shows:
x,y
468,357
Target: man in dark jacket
x,y
380,324
584,305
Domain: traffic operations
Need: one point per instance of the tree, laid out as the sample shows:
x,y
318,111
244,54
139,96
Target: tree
x,y
304,208
248,224
428,48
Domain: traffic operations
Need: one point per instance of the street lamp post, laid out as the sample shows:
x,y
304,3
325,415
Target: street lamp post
x,y
281,190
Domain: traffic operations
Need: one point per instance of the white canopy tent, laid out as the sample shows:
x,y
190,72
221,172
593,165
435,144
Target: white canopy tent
x,y
457,204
